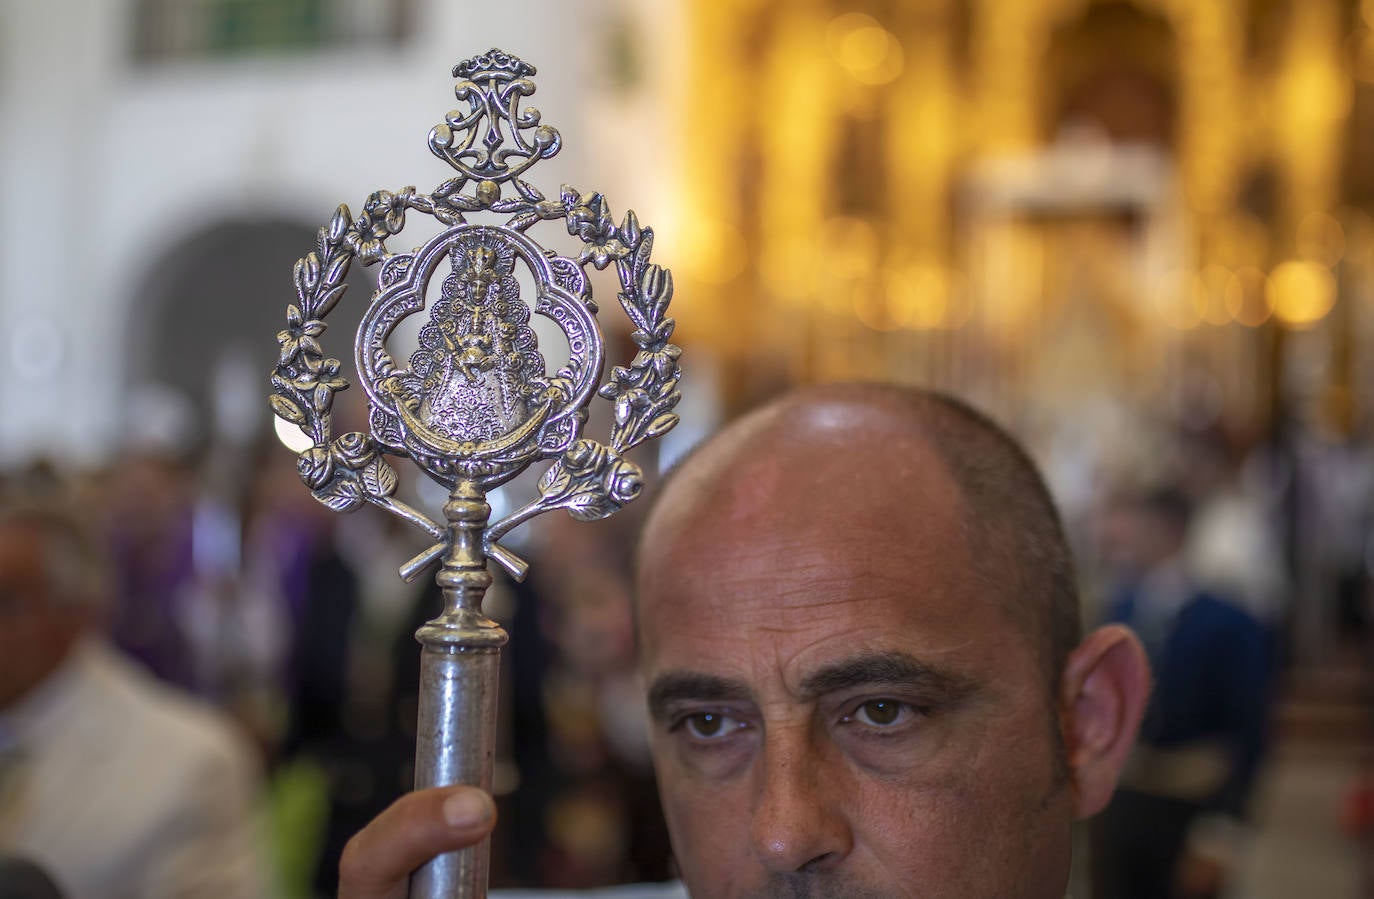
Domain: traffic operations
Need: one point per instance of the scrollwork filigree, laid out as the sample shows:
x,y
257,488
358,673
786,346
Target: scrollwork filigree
x,y
488,141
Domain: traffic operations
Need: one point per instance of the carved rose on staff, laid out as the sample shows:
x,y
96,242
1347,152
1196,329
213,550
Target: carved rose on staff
x,y
316,467
347,473
590,481
353,450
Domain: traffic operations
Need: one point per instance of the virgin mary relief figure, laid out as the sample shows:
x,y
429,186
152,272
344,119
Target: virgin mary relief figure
x,y
478,365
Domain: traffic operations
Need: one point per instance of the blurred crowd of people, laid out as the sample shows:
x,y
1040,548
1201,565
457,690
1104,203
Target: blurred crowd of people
x,y
1234,560
242,619
285,630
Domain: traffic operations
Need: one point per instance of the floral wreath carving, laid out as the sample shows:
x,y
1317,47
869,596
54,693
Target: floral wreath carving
x,y
589,479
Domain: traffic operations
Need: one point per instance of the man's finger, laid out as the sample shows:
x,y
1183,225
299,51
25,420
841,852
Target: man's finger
x,y
413,830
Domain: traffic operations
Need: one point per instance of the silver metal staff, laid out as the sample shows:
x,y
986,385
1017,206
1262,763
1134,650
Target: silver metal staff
x,y
474,404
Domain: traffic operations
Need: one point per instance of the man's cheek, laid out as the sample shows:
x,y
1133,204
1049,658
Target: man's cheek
x,y
706,822
929,827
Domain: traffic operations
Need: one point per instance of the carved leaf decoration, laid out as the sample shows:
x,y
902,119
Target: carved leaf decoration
x,y
658,287
298,278
339,223
555,481
661,425
452,185
627,302
590,506
379,478
329,299
641,259
528,191
338,267
312,271
448,215
343,495
287,409
629,229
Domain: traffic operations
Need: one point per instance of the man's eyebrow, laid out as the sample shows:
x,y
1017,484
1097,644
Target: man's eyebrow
x,y
680,686
896,669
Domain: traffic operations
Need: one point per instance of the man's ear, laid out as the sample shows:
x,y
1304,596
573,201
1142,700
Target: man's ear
x,y
1102,696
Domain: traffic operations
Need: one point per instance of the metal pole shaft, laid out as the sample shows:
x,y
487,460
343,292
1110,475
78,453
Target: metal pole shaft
x,y
459,667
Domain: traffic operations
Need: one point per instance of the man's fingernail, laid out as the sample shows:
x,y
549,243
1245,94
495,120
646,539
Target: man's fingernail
x,y
466,809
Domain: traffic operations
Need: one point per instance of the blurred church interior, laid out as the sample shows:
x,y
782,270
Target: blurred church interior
x,y
1140,233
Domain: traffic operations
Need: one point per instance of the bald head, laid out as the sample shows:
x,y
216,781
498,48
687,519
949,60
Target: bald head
x,y
864,469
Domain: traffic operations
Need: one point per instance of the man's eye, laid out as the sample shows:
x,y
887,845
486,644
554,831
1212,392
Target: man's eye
x,y
710,725
882,713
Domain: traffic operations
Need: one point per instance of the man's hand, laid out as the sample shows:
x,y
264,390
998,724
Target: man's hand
x,y
377,862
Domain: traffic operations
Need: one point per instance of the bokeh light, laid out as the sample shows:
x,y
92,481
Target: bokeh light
x,y
291,436
865,50
1248,305
1321,238
1301,293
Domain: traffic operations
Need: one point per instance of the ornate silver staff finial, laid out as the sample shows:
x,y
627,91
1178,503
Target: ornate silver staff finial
x,y
474,405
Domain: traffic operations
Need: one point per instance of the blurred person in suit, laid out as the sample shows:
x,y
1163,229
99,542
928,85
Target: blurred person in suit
x,y
113,784
1178,822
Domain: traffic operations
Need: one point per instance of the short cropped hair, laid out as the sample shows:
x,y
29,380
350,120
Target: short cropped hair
x,y
1017,537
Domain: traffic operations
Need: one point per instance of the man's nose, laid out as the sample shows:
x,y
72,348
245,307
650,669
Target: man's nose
x,y
798,824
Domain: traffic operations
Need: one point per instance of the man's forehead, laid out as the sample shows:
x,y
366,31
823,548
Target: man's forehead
x,y
800,574
851,467
804,502
793,568
782,618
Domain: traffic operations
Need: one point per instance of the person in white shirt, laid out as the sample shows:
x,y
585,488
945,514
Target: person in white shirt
x,y
114,785
858,624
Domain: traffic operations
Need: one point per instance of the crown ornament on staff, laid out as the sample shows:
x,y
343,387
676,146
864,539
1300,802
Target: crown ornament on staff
x,y
475,404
